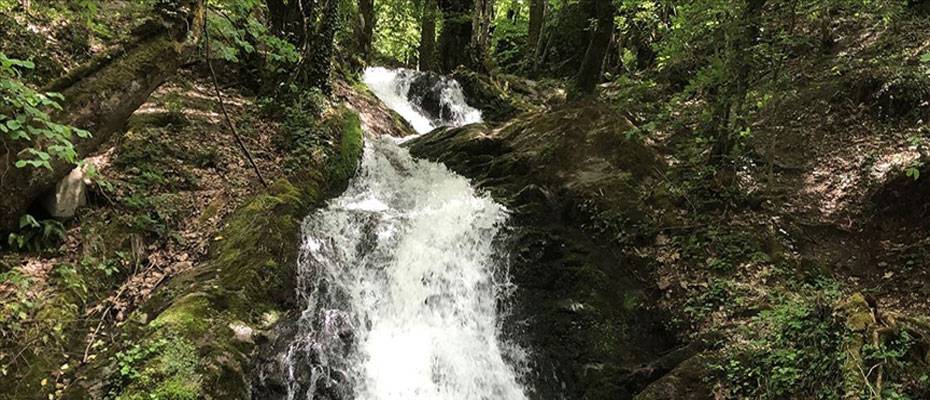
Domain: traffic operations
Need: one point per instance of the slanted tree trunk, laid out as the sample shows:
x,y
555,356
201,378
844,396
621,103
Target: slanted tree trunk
x,y
100,97
427,49
366,29
537,17
589,75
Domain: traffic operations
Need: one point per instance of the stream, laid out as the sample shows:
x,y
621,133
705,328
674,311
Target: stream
x,y
402,278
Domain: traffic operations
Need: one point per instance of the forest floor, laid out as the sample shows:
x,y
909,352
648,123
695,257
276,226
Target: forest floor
x,y
159,197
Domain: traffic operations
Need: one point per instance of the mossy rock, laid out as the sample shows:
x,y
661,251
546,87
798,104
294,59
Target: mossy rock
x,y
686,382
497,98
579,189
580,154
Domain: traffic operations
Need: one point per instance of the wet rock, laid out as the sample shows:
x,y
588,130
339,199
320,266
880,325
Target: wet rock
x,y
580,193
426,91
685,382
494,98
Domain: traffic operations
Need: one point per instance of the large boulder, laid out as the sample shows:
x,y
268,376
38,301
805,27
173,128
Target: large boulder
x,y
581,153
498,99
426,91
582,193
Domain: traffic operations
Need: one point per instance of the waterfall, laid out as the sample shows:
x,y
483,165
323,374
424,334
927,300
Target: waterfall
x,y
393,86
402,280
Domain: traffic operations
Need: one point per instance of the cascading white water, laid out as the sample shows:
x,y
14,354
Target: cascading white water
x,y
392,86
402,283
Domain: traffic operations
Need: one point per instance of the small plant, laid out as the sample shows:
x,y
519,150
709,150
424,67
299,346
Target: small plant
x,y
718,293
35,235
108,267
16,310
913,169
24,117
71,279
128,360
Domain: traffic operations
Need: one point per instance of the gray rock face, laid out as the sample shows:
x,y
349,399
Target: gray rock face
x,y
584,302
426,91
69,195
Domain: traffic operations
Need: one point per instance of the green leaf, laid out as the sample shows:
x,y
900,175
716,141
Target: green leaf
x,y
28,221
925,58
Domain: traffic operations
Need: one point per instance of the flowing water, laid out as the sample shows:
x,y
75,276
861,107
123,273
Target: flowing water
x,y
392,86
402,279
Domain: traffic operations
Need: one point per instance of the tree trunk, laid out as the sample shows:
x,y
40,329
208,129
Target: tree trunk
x,y
100,98
427,49
481,35
366,28
455,38
537,17
290,19
589,75
733,94
318,53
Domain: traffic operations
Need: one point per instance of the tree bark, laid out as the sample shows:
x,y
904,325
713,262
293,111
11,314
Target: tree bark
x,y
427,58
537,17
290,19
482,18
100,98
366,28
318,52
733,93
589,75
455,38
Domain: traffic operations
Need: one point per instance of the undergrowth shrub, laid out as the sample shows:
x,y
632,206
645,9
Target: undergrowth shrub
x,y
793,350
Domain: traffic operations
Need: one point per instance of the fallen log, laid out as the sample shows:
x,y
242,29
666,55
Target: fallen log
x,y
101,96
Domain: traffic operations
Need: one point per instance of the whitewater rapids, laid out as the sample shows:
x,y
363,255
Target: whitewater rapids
x,y
401,277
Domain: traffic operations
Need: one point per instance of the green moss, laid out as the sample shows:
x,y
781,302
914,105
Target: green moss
x,y
186,315
250,275
350,147
169,373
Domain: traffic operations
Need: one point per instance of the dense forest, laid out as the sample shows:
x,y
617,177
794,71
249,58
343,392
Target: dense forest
x,y
465,199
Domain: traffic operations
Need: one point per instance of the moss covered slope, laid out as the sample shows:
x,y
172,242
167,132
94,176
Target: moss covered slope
x,y
195,337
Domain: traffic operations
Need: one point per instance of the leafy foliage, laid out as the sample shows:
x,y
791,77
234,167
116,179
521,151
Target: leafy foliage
x,y
239,33
794,351
24,116
397,33
35,235
511,27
